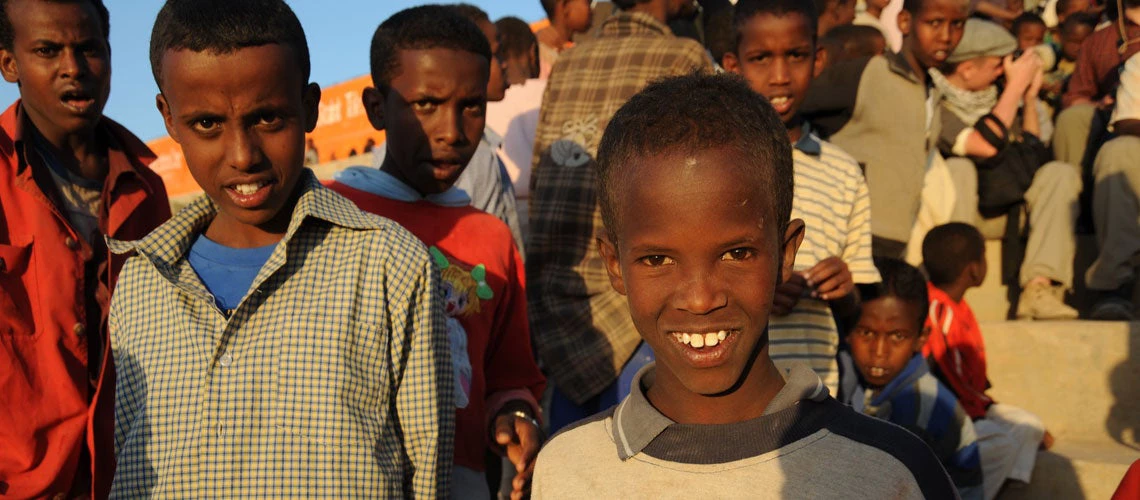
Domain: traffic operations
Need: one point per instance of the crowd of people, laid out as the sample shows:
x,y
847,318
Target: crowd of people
x,y
633,248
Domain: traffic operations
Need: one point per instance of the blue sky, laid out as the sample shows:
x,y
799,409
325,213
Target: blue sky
x,y
338,31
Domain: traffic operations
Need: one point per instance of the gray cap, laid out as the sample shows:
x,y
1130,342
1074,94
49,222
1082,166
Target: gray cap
x,y
982,38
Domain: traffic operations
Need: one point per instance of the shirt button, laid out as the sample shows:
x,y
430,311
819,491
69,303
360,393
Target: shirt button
x,y
71,243
226,360
79,330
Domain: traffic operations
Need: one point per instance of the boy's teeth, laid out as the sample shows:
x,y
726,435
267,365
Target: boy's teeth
x,y
779,100
700,340
877,372
247,189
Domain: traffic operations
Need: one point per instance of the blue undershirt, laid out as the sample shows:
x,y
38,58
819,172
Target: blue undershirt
x,y
227,272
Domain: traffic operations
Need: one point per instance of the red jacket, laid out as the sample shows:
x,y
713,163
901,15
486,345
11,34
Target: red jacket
x,y
955,344
53,413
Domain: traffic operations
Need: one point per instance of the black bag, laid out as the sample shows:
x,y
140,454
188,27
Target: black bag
x,y
1004,178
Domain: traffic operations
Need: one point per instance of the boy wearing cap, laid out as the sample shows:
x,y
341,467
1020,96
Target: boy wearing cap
x,y
977,123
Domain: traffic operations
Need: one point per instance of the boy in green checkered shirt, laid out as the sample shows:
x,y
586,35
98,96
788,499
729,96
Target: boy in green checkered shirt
x,y
271,340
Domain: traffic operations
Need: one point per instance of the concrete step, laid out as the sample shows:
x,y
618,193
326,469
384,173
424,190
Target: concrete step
x,y
1075,470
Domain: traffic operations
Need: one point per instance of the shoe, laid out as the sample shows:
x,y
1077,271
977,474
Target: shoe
x,y
1112,308
1041,302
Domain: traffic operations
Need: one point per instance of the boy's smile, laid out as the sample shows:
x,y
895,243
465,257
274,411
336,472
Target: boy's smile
x,y
885,339
434,112
699,292
241,119
61,60
778,58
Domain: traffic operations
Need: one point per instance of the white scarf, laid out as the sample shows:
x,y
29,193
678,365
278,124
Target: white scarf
x,y
967,105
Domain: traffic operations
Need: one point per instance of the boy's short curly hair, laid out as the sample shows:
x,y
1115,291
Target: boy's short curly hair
x,y
949,248
747,9
223,27
901,281
8,34
515,37
418,28
691,113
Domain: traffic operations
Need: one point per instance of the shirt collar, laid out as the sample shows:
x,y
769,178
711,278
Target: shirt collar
x,y
809,143
168,244
622,24
636,423
897,62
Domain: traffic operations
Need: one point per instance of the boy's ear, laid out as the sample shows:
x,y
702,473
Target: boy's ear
x,y
921,340
730,62
613,265
9,67
904,22
312,102
793,236
820,61
373,100
167,117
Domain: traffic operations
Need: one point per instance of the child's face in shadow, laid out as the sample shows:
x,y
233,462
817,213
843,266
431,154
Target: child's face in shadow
x,y
1072,39
241,120
884,340
934,32
698,254
433,112
779,59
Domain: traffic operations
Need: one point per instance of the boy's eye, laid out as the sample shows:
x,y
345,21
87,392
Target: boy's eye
x,y
655,260
423,105
269,120
898,336
738,254
474,107
205,124
45,51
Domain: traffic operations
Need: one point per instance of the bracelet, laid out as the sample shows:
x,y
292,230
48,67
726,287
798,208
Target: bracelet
x,y
525,416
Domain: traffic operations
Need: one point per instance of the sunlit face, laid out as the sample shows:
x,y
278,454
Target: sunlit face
x,y
241,119
885,339
934,32
433,112
778,58
699,293
1030,35
579,15
61,60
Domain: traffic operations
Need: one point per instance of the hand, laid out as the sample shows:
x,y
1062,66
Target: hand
x,y
521,439
1019,73
830,279
1106,102
1035,86
788,294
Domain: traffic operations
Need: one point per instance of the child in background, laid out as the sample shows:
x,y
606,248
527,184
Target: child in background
x,y
271,338
1071,36
833,13
1029,30
429,67
886,376
1008,437
713,416
853,41
778,56
567,18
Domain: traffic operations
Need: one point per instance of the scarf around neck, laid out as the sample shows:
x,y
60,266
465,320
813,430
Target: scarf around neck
x,y
967,105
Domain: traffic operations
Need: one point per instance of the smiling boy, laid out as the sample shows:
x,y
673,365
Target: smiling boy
x,y
68,177
778,56
713,416
271,340
430,71
884,112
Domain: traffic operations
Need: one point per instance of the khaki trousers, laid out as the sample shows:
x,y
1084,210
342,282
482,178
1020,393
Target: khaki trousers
x,y
1071,137
1116,213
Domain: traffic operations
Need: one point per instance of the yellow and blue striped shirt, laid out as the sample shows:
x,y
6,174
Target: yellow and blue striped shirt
x,y
331,378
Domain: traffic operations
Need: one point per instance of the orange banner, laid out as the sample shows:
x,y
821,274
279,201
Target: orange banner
x,y
342,130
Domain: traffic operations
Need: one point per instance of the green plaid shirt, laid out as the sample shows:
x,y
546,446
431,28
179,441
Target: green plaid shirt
x,y
581,326
332,378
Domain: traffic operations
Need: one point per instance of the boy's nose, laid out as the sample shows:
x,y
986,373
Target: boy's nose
x,y
244,151
701,294
71,64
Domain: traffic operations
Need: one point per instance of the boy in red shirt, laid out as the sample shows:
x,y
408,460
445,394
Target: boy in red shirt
x,y
430,69
68,177
1008,437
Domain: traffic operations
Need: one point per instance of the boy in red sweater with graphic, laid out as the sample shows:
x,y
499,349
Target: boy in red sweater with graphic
x,y
430,68
1008,437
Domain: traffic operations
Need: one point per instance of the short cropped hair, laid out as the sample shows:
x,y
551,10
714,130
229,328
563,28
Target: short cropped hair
x,y
515,37
851,41
471,12
418,28
901,281
720,33
548,7
628,4
915,6
949,248
225,26
1025,20
8,35
1079,19
747,9
691,113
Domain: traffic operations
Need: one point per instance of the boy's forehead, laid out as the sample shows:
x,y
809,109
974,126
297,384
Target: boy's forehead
x,y
960,8
276,63
761,24
29,17
416,61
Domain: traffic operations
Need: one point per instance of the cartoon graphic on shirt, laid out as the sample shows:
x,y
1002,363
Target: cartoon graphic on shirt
x,y
462,293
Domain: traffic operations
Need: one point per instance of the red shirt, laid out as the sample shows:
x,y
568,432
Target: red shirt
x,y
956,346
1098,64
498,333
55,410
